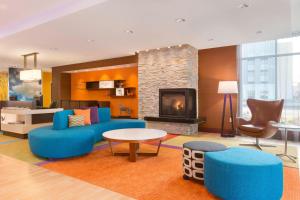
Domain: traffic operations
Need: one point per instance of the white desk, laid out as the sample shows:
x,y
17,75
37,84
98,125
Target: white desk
x,y
19,120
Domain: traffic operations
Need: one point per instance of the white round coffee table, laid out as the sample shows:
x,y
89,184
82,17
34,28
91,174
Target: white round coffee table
x,y
134,136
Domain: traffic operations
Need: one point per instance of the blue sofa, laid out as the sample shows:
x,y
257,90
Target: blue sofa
x,y
60,141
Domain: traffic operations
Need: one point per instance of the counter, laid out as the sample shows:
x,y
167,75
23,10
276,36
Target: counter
x,y
19,121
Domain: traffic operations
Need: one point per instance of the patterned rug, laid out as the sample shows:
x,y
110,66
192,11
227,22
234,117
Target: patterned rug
x,y
19,148
234,142
153,173
150,177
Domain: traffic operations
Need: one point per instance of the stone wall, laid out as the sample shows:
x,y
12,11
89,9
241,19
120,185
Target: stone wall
x,y
175,67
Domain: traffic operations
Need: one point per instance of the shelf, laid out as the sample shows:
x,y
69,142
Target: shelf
x,y
114,96
123,92
119,88
95,85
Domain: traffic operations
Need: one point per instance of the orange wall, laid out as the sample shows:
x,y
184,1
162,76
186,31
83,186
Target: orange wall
x,y
214,65
3,86
78,91
46,88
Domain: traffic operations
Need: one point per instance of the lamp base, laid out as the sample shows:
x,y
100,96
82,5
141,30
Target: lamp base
x,y
231,132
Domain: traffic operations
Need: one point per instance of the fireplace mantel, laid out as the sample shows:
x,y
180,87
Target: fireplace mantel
x,y
175,120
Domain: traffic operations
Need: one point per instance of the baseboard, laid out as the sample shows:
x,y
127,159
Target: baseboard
x,y
214,130
17,135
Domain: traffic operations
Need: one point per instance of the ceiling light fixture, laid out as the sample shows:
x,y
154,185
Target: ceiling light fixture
x,y
157,48
243,5
211,39
3,7
129,31
91,40
31,74
169,47
147,50
259,32
180,45
180,20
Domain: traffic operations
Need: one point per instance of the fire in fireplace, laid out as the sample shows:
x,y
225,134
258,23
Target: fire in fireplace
x,y
177,103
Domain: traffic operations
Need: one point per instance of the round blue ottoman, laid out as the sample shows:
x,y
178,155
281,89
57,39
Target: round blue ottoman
x,y
49,143
241,173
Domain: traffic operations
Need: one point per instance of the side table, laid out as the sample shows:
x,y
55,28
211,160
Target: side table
x,y
286,127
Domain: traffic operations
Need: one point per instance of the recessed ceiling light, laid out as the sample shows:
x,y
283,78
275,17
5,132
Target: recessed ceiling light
x,y
169,47
180,45
91,40
129,31
3,7
147,50
211,39
157,48
259,32
243,5
180,20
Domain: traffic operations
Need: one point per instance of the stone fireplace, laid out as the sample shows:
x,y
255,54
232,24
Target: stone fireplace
x,y
168,77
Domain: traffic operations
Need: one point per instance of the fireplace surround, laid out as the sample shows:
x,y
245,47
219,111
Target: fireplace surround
x,y
175,67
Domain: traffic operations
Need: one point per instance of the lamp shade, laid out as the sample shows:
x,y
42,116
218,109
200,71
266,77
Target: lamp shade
x,y
228,87
31,75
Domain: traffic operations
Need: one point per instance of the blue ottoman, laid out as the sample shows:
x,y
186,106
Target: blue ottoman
x,y
49,143
241,173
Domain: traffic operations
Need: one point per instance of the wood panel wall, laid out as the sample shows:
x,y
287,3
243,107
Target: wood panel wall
x,y
129,74
215,64
61,82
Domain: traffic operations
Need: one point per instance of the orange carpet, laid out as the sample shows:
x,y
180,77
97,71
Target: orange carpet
x,y
150,177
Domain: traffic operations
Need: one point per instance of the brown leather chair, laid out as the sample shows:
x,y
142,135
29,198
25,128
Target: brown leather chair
x,y
264,115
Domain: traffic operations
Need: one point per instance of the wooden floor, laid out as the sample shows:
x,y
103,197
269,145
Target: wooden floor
x,y
22,181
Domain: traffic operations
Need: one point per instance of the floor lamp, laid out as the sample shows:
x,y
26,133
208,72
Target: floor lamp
x,y
227,88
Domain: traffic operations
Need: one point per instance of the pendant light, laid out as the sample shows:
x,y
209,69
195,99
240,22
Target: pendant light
x,y
31,74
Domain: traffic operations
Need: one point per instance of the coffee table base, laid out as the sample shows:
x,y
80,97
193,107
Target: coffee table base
x,y
134,151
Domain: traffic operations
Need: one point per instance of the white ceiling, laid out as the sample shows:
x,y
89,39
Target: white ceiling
x,y
60,29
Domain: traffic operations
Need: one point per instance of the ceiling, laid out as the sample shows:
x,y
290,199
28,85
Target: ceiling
x,y
72,31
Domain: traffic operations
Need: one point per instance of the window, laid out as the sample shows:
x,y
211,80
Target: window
x,y
271,70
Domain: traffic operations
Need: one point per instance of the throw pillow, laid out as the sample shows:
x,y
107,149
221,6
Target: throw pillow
x,y
86,113
60,119
104,114
94,114
76,120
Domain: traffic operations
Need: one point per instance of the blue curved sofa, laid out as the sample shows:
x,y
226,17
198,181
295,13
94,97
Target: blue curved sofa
x,y
60,141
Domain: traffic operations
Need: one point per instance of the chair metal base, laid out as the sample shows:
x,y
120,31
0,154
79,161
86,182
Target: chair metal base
x,y
292,158
258,145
